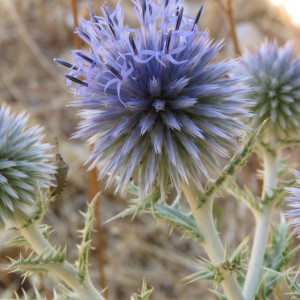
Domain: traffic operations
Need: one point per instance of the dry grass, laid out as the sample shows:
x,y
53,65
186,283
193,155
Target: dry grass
x,y
32,33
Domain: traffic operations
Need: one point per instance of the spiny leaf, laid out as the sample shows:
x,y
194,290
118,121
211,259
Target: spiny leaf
x,y
40,207
145,293
170,213
21,241
39,263
289,142
86,240
279,193
138,205
243,194
209,271
292,281
277,256
236,161
38,296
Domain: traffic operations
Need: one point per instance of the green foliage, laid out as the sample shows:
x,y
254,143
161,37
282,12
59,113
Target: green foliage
x,y
86,240
238,160
279,193
210,271
20,241
170,213
145,293
38,210
243,194
38,296
292,282
277,256
40,263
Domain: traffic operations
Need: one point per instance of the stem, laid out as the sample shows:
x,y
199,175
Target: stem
x,y
230,16
263,222
77,40
212,243
93,190
64,271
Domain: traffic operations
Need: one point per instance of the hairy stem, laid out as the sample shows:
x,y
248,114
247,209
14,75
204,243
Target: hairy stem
x,y
212,243
263,223
64,271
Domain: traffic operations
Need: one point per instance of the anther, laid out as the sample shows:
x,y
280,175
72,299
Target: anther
x,y
110,22
65,64
76,80
197,17
88,59
168,41
144,7
179,19
132,43
166,3
114,71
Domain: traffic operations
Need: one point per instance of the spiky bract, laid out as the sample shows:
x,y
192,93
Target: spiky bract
x,y
152,102
24,164
274,81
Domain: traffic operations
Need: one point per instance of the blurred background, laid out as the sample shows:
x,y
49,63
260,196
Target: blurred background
x,y
32,33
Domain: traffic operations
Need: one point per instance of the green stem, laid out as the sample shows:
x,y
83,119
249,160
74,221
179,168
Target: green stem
x,y
212,243
64,271
263,222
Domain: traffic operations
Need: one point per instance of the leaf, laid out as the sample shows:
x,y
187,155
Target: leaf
x,y
170,213
145,293
238,160
85,245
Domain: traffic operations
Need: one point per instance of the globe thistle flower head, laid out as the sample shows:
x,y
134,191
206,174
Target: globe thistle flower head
x,y
24,164
294,203
152,102
274,81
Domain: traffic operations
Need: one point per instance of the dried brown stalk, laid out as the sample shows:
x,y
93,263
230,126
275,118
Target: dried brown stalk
x,y
93,187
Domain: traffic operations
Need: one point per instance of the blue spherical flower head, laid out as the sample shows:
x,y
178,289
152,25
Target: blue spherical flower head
x,y
274,81
153,104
